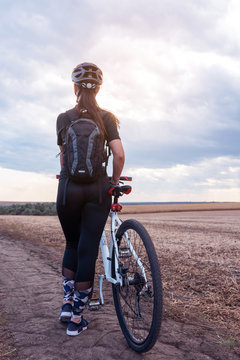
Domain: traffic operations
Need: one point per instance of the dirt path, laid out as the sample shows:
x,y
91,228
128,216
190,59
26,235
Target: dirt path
x,y
30,290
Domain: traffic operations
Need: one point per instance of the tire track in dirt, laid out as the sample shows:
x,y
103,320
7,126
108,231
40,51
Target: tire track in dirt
x,y
30,279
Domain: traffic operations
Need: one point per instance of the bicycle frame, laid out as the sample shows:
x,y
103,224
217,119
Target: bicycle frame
x,y
107,253
107,256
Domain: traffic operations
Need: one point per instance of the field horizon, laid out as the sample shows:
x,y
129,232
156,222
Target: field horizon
x,y
154,207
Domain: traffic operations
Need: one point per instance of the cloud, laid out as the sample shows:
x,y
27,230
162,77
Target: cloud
x,y
171,75
27,186
213,179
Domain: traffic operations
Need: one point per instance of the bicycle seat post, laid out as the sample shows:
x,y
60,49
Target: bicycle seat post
x,y
116,197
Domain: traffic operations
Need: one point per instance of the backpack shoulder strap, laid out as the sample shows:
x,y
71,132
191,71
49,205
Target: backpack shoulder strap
x,y
108,150
72,114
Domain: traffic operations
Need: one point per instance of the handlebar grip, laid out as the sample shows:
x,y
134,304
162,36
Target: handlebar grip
x,y
123,178
126,178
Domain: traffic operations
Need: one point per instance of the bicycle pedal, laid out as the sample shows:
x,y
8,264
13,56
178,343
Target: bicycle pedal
x,y
94,304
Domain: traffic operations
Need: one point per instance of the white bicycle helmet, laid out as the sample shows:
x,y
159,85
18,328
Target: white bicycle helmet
x,y
87,75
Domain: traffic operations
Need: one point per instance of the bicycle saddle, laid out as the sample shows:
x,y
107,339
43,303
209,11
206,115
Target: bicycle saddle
x,y
117,190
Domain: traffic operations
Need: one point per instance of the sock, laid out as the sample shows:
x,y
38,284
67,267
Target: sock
x,y
80,299
68,288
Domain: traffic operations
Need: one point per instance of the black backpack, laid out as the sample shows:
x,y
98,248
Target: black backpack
x,y
85,150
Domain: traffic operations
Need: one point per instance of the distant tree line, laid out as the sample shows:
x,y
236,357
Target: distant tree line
x,y
44,208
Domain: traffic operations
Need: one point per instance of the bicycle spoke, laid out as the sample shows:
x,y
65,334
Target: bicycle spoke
x,y
138,301
129,305
138,323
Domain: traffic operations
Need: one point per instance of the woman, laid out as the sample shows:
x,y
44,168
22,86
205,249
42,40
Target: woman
x,y
82,215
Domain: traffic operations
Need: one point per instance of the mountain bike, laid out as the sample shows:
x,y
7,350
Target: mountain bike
x,y
131,265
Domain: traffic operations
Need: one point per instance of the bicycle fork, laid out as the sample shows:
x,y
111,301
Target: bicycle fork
x,y
107,262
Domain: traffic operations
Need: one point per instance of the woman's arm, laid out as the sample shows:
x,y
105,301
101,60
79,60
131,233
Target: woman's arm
x,y
118,160
61,156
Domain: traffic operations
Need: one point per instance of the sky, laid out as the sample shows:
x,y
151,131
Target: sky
x,y
171,76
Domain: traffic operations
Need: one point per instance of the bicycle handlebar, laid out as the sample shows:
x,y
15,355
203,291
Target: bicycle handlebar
x,y
126,178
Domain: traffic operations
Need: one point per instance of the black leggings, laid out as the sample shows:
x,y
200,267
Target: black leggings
x,y
83,218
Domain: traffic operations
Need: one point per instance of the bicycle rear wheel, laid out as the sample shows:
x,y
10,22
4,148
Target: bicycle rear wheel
x,y
138,302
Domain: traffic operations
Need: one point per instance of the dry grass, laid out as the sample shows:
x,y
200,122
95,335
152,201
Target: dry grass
x,y
158,208
7,348
199,253
200,257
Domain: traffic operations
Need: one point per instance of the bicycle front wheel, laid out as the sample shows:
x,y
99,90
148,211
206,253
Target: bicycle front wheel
x,y
138,302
